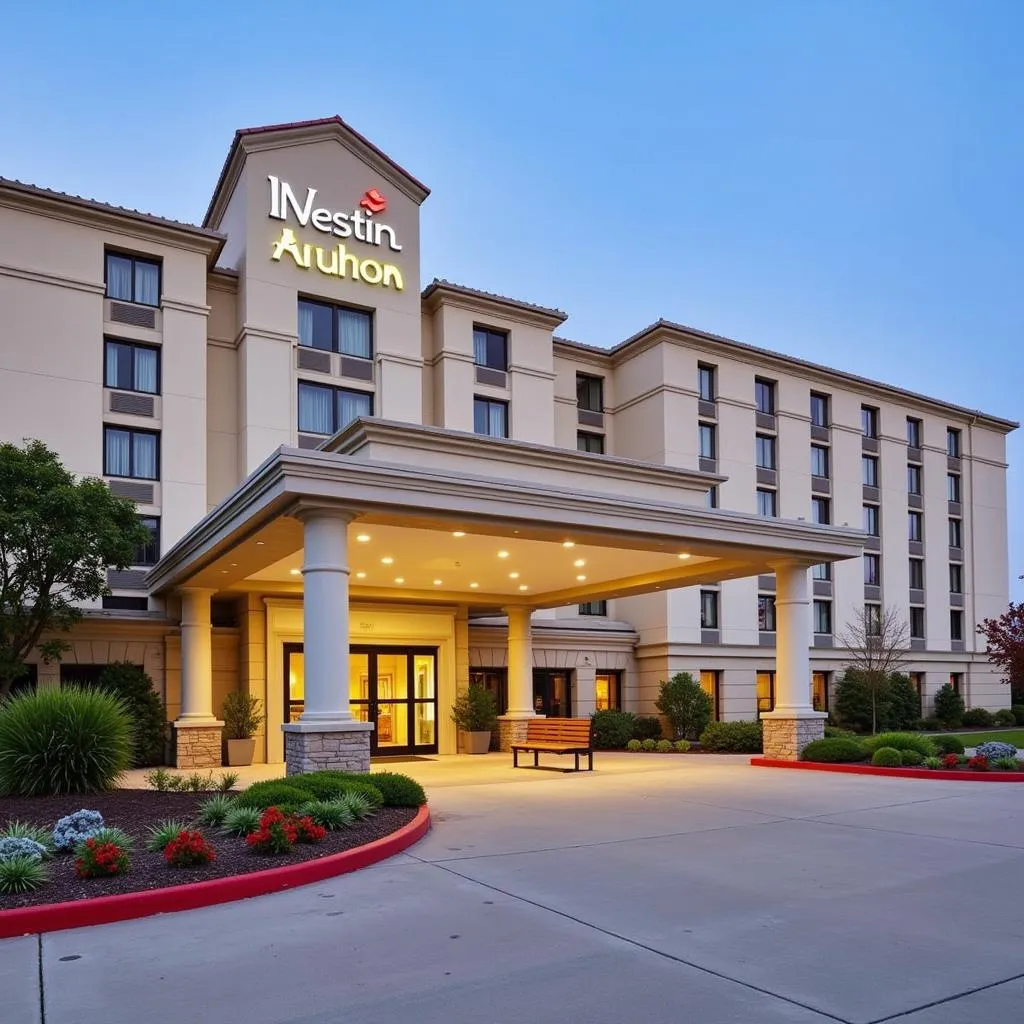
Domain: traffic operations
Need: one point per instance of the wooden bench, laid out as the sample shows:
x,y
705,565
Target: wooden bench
x,y
557,736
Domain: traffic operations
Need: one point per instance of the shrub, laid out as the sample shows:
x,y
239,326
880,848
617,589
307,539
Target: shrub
x,y
1006,764
903,704
994,749
978,763
22,830
21,874
684,702
1004,716
649,745
732,738
474,710
613,729
681,746
55,742
360,804
951,761
663,746
159,779
901,741
910,758
918,725
634,745
215,810
397,790
76,828
16,846
100,860
978,718
833,732
647,727
1018,714
328,785
189,850
931,724
331,814
242,714
949,707
933,763
947,744
161,834
227,782
240,821
896,703
135,690
308,831
887,757
833,750
197,783
117,836
276,834
275,793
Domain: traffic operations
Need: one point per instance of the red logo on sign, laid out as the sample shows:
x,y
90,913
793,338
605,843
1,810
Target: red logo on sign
x,y
373,201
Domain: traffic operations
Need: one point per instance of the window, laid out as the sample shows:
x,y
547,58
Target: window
x,y
765,692
917,574
133,279
819,410
764,396
766,502
766,613
913,479
819,460
608,690
823,617
129,367
955,680
868,421
872,570
490,417
709,609
706,382
869,470
336,329
873,619
953,486
117,603
955,534
590,392
326,410
871,520
915,526
765,449
711,497
916,623
913,432
821,571
149,553
953,443
593,443
709,684
594,608
956,624
131,453
490,349
821,511
819,690
706,440
956,578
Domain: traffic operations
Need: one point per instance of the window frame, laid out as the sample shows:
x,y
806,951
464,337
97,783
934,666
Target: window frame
x,y
872,578
917,611
956,586
711,598
768,621
132,431
869,421
915,525
915,571
614,677
765,442
134,347
956,624
872,512
336,392
824,454
712,433
585,381
872,618
875,473
825,572
915,432
765,491
587,436
336,308
154,542
954,487
821,606
958,529
825,506
764,704
954,443
915,475
587,608
484,399
763,386
153,261
711,497
706,372
492,332
825,404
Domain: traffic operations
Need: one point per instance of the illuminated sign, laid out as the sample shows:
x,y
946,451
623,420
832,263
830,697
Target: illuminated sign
x,y
335,261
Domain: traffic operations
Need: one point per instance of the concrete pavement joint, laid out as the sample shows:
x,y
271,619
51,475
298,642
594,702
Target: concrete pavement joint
x,y
914,835
947,999
42,991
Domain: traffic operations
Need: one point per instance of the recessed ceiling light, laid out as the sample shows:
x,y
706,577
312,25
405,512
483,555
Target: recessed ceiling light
x,y
260,543
473,586
523,586
513,575
360,575
224,571
458,533
684,554
581,577
438,583
362,537
568,543
503,554
234,565
387,560
399,579
579,563
295,572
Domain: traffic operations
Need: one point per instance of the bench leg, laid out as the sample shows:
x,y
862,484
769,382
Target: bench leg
x,y
536,759
590,760
577,756
515,758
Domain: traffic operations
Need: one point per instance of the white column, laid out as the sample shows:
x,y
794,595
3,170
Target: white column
x,y
196,658
520,663
325,616
792,642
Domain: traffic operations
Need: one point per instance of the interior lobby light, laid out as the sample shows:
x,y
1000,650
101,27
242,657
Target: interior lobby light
x,y
503,554
581,577
360,575
568,543
458,533
438,583
295,572
399,579
523,586
513,575
580,562
473,586
684,554
387,560
260,543
362,537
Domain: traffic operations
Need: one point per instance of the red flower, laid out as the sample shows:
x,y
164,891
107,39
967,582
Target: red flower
x,y
99,860
188,849
276,834
978,763
951,761
308,831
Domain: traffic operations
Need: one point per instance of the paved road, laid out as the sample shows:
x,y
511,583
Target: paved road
x,y
695,890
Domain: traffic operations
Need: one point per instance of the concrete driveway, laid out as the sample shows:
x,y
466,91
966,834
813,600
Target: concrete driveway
x,y
656,890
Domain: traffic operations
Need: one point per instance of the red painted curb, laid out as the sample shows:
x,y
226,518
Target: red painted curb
x,y
55,917
896,773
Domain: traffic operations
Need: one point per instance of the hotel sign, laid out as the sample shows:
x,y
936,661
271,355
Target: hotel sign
x,y
335,260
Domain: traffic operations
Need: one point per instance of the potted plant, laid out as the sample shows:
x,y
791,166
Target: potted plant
x,y
243,715
475,715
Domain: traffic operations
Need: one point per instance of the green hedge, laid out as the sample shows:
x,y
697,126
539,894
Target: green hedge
x,y
732,738
887,757
924,745
382,789
947,744
833,750
613,729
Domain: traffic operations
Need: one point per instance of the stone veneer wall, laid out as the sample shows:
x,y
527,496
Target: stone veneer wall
x,y
320,751
198,746
784,738
510,730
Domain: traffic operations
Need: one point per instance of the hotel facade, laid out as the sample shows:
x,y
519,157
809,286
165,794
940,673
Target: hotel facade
x,y
362,497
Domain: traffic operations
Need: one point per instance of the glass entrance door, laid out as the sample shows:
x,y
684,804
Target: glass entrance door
x,y
551,695
395,688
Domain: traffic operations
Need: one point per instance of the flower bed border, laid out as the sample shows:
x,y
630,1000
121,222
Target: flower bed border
x,y
898,773
52,917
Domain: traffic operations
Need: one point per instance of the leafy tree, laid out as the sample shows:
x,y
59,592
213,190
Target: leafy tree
x,y
684,703
949,707
904,704
876,645
58,536
1004,638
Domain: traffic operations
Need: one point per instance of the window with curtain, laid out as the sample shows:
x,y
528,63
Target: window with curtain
x,y
869,470
953,442
873,570
821,511
764,449
913,478
590,392
490,417
956,578
953,486
333,328
133,279
593,443
955,534
916,570
765,691
913,432
915,526
706,440
819,460
709,609
766,613
326,410
131,453
869,421
819,410
764,395
871,520
149,553
821,571
823,617
766,503
490,348
130,367
706,382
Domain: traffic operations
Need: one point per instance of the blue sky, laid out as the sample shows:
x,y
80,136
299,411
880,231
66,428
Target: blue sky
x,y
836,180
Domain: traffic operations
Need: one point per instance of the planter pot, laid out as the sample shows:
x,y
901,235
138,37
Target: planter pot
x,y
476,742
240,752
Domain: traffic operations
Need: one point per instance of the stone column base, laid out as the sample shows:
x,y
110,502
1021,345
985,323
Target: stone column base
x,y
786,737
343,747
197,744
512,730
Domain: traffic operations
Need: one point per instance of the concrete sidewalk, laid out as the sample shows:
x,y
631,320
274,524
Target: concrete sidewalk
x,y
690,889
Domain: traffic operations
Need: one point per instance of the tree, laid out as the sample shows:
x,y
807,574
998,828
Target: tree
x,y
949,707
876,642
58,536
1004,638
684,703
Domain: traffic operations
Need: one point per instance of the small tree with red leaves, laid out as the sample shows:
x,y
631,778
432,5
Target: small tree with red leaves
x,y
1004,638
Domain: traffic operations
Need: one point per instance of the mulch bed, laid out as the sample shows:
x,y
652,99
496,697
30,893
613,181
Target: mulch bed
x,y
134,811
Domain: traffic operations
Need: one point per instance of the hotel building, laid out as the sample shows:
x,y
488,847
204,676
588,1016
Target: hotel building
x,y
363,496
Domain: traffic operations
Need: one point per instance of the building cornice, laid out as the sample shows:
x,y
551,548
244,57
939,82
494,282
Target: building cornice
x,y
445,293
